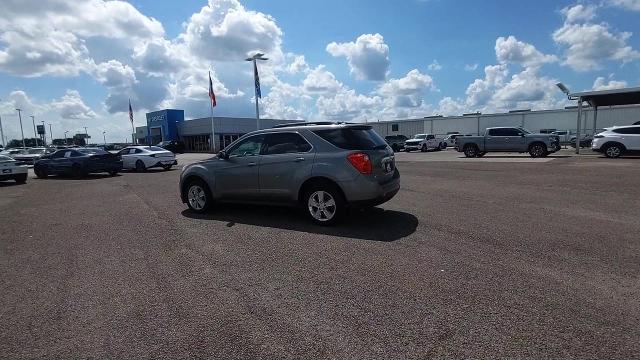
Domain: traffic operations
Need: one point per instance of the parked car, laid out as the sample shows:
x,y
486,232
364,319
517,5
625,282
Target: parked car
x,y
585,141
450,140
617,141
396,141
324,169
423,142
30,156
142,158
77,163
174,146
10,169
13,152
507,139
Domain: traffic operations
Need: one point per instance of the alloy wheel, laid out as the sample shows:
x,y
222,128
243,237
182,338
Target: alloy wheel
x,y
322,206
613,151
197,197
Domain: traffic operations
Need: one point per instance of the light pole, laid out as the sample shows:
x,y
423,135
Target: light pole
x,y
86,139
44,135
51,133
35,134
2,133
66,142
21,131
104,137
256,82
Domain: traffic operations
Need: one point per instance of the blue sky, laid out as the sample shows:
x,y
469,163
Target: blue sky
x,y
347,60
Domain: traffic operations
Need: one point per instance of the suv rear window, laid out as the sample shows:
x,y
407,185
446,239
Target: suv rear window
x,y
353,138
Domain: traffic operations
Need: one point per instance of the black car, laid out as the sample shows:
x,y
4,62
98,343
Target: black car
x,y
396,142
174,146
78,162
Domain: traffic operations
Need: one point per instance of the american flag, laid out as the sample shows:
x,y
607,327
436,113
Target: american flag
x,y
212,95
130,112
257,78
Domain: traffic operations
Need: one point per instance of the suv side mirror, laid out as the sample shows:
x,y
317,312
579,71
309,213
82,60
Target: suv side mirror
x,y
223,155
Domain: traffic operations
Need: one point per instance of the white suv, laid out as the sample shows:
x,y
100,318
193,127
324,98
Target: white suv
x,y
618,140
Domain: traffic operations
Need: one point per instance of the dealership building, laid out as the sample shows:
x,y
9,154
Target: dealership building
x,y
170,124
535,121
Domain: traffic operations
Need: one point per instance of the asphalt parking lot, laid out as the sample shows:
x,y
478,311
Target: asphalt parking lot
x,y
499,257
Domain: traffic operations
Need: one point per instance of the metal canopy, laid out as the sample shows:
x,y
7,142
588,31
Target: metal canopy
x,y
628,96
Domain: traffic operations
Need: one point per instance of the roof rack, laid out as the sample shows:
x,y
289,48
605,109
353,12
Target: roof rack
x,y
311,123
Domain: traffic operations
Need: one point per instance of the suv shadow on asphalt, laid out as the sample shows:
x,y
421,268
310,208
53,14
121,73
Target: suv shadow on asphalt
x,y
96,176
375,224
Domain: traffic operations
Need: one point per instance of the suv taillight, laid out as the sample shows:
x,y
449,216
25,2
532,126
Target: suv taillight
x,y
361,162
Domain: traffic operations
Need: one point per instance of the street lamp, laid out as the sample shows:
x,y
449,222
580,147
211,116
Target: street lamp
x,y
44,135
21,131
2,132
35,134
51,133
104,138
66,142
256,82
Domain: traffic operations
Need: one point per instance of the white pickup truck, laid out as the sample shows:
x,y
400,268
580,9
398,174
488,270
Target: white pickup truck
x,y
424,142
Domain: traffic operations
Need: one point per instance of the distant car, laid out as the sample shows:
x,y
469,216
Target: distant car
x,y
13,152
396,142
507,139
77,163
174,146
423,142
11,170
450,140
585,141
617,141
30,156
142,158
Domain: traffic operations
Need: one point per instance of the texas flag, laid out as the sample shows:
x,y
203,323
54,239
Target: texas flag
x,y
130,112
212,95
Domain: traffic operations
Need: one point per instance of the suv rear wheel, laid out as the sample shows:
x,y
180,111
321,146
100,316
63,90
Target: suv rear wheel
x,y
537,150
324,204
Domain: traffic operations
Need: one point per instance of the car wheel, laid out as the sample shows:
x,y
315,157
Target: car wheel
x,y
41,172
324,204
471,151
167,167
199,197
423,148
613,151
537,150
21,179
443,146
140,167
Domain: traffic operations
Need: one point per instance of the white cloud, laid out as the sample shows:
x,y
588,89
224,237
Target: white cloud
x,y
298,64
448,106
633,5
71,106
480,90
225,31
511,50
347,105
320,80
115,74
579,12
471,67
434,66
406,91
601,84
368,56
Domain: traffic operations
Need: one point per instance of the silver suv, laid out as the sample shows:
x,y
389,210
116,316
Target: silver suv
x,y
322,167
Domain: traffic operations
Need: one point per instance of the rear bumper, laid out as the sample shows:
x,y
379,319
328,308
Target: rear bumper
x,y
162,163
366,191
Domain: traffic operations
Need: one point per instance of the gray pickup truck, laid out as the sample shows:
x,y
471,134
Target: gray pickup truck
x,y
508,139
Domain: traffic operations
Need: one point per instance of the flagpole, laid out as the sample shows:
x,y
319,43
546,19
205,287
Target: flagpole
x,y
255,72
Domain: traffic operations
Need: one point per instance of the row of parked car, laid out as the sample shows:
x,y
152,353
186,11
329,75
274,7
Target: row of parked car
x,y
81,161
420,142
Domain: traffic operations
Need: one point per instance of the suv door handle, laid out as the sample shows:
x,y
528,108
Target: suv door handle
x,y
298,159
251,164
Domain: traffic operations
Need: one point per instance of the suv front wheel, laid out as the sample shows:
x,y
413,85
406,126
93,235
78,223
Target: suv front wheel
x,y
324,204
198,196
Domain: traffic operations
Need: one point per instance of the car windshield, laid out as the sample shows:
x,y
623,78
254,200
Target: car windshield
x,y
420,136
35,151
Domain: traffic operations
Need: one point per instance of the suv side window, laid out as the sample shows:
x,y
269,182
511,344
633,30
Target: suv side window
x,y
250,146
285,143
58,154
430,137
628,130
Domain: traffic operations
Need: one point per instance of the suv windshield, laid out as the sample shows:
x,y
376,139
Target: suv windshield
x,y
353,138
